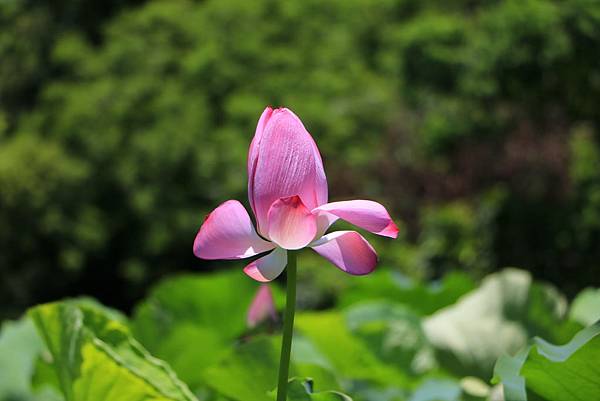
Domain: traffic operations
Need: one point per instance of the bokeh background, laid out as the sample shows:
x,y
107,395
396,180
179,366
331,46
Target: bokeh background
x,y
123,123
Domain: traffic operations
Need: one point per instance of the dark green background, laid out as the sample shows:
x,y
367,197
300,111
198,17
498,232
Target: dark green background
x,y
122,123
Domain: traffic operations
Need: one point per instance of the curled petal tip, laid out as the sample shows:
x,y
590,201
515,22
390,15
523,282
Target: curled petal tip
x,y
348,251
253,272
391,230
366,214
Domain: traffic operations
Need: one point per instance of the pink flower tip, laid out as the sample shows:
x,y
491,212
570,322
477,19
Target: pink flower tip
x,y
262,307
253,271
391,230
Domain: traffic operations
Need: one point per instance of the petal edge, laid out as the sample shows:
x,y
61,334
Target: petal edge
x,y
348,251
268,267
367,214
228,233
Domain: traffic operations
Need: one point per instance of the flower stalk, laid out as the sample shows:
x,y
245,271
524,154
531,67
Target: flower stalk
x,y
288,328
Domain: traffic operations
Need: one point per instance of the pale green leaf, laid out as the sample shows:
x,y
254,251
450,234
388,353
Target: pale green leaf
x,y
569,372
20,346
497,318
585,308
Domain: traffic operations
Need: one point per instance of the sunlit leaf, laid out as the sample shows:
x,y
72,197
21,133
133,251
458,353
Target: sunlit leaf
x,y
556,373
498,317
585,308
96,358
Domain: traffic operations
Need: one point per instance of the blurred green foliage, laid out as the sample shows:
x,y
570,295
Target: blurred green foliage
x,y
122,123
415,342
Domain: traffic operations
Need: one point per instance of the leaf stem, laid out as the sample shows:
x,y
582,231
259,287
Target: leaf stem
x,y
288,327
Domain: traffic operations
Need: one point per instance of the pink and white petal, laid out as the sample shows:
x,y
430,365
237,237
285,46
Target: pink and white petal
x,y
285,162
348,251
255,144
268,267
324,221
366,214
321,189
228,233
291,224
253,150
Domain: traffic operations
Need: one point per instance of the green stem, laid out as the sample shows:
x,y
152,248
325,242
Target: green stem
x,y
288,328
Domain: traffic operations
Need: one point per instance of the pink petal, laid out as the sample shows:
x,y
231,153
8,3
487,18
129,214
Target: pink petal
x,y
291,224
268,267
253,151
366,214
283,161
227,233
262,307
348,250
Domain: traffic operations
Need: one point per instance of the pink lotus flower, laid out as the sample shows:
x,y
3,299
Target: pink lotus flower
x,y
287,189
262,307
